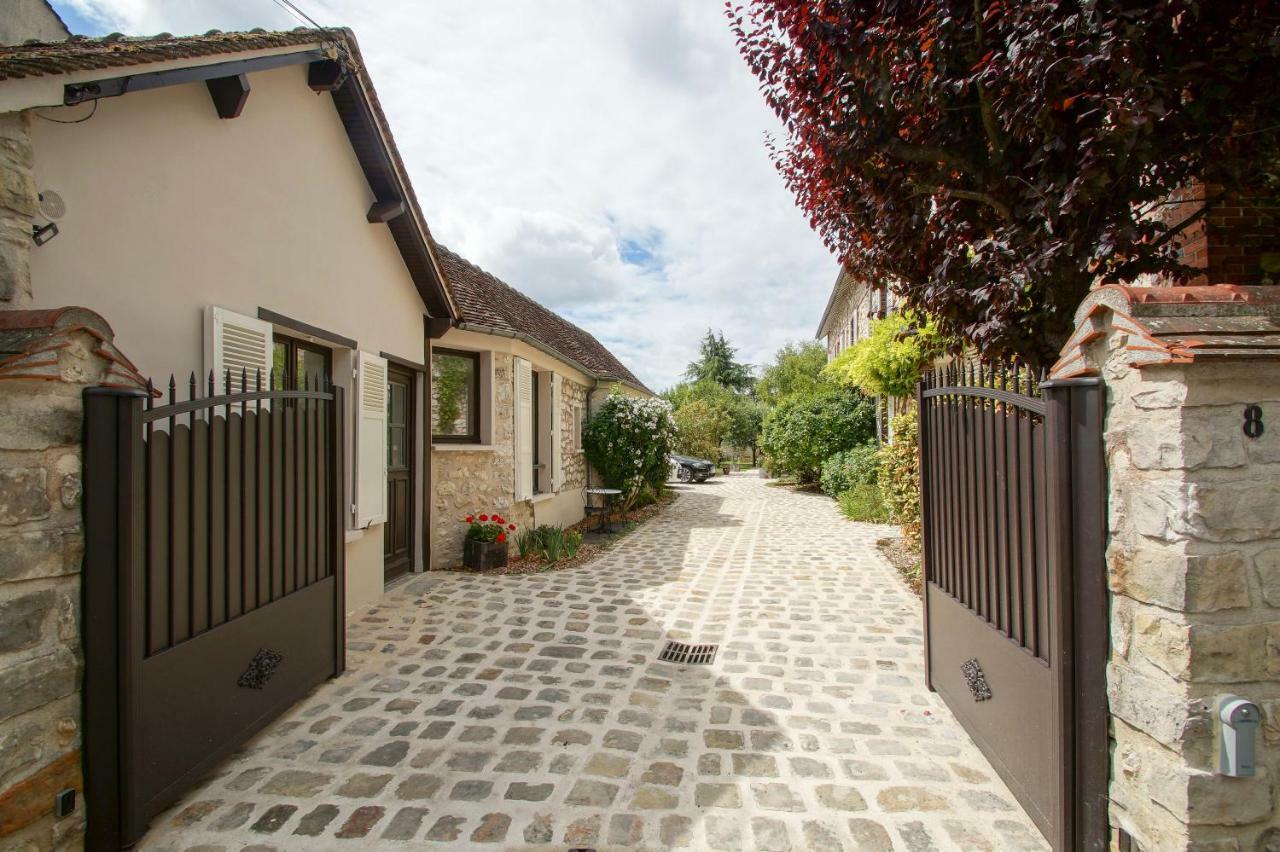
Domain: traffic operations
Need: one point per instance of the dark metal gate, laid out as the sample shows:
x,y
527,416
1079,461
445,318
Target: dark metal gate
x,y
213,582
1014,527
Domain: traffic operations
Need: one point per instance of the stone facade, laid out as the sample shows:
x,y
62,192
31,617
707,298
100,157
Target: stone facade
x,y
18,203
473,480
48,358
573,396
1193,560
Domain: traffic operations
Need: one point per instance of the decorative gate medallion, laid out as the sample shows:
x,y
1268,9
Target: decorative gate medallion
x,y
261,668
976,680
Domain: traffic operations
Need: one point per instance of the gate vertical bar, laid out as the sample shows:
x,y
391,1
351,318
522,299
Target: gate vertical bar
x,y
1061,597
338,529
1091,636
112,626
923,422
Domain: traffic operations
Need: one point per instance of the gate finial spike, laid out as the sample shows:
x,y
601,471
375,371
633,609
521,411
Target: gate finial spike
x,y
191,386
173,390
226,380
244,379
257,381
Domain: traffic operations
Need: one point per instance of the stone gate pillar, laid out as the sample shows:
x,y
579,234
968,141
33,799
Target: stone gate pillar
x,y
47,358
1192,436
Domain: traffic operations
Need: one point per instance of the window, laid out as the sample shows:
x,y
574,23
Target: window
x,y
297,363
455,396
536,436
544,432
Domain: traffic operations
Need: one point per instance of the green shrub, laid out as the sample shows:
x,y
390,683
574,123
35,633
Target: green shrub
x,y
549,542
864,502
900,476
528,543
627,441
858,466
804,431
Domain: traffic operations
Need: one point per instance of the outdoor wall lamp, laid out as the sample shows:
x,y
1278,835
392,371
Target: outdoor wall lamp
x,y
41,234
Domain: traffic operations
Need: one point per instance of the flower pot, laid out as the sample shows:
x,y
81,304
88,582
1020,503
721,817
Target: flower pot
x,y
484,555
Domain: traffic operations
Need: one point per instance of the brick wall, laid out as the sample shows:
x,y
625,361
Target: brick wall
x,y
1236,242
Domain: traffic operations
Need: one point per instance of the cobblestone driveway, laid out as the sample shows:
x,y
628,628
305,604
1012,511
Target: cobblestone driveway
x,y
531,711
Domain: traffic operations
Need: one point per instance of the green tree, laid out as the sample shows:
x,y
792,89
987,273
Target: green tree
x,y
716,363
804,431
797,368
701,426
745,421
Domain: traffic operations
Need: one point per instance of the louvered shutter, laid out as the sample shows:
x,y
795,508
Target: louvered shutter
x,y
524,429
557,430
238,343
371,437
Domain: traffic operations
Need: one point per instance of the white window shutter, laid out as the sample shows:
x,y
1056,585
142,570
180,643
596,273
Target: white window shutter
x,y
524,427
557,429
238,343
371,438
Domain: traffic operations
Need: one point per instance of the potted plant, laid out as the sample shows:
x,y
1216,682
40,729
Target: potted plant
x,y
726,467
485,546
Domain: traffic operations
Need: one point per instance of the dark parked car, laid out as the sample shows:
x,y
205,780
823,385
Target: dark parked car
x,y
688,469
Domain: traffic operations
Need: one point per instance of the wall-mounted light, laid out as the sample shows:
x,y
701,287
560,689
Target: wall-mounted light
x,y
53,208
41,234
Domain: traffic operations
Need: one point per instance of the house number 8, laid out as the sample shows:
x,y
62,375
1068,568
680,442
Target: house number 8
x,y
1253,421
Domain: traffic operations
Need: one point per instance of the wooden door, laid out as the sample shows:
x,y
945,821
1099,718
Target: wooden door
x,y
397,549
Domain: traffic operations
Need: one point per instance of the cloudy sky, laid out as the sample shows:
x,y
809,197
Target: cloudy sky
x,y
606,157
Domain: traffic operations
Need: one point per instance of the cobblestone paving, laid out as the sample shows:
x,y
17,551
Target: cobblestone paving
x,y
532,711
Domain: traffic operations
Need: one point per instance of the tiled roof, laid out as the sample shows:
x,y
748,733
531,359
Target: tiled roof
x,y
484,300
1175,325
79,53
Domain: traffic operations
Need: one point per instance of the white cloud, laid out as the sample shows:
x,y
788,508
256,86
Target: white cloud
x,y
541,136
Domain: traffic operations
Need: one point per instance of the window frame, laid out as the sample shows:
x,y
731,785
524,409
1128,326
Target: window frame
x,y
292,345
472,435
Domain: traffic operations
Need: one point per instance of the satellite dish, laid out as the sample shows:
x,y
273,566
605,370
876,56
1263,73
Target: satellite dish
x,y
52,206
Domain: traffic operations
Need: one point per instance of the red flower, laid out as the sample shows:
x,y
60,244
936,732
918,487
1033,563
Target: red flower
x,y
511,526
471,519
497,519
484,518
502,537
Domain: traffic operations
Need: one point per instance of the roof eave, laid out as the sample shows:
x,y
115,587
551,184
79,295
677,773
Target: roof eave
x,y
554,353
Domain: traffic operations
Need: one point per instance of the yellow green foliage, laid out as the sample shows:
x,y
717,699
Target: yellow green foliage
x,y
888,362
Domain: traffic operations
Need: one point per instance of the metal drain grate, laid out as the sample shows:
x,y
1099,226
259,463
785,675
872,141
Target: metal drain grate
x,y
691,655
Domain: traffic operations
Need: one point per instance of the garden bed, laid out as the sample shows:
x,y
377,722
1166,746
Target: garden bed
x,y
593,543
902,557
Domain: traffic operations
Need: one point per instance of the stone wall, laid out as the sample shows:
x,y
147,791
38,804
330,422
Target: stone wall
x,y
1193,560
48,358
18,203
468,481
572,395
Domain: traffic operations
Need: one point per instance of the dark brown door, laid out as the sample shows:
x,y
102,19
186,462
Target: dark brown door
x,y
397,538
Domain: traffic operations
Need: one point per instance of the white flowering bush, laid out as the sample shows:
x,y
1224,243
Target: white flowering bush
x,y
627,441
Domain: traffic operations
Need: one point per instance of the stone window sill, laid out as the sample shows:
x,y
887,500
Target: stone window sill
x,y
541,498
462,448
